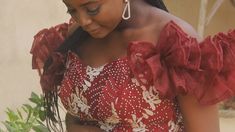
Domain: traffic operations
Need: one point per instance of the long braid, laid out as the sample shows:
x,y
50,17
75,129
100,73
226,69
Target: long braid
x,y
51,106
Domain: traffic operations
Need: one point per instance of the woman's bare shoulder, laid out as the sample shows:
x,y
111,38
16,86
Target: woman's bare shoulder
x,y
186,27
163,18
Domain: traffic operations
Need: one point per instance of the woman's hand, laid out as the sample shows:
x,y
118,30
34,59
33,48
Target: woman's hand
x,y
73,126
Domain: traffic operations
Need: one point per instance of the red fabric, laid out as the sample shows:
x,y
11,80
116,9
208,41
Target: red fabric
x,y
115,99
137,92
45,43
178,64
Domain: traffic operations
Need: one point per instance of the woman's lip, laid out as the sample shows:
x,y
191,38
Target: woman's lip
x,y
94,30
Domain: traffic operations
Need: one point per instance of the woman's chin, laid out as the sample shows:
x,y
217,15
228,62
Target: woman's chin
x,y
98,35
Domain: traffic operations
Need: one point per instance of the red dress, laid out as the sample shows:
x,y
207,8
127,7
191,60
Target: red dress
x,y
137,92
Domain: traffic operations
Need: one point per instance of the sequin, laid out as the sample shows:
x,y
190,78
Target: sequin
x,y
111,95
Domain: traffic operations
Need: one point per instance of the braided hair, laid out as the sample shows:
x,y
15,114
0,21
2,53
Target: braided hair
x,y
51,97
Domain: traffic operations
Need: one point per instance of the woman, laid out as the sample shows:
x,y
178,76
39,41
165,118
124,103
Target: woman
x,y
133,67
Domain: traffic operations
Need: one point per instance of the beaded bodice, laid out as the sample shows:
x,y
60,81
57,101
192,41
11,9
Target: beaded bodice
x,y
112,96
137,92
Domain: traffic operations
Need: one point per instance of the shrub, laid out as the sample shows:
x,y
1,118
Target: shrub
x,y
28,117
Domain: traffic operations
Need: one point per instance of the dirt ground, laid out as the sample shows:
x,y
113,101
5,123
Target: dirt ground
x,y
17,80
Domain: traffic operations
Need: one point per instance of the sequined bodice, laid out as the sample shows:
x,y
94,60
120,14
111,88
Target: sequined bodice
x,y
137,92
111,95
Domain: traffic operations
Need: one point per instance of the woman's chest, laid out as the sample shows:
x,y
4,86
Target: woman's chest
x,y
97,52
112,94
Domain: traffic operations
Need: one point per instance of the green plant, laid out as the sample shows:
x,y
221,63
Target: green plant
x,y
29,117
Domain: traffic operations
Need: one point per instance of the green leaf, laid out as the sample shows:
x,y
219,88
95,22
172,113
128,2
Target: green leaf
x,y
40,122
25,109
29,111
26,127
36,111
28,117
11,115
40,128
34,95
19,113
9,127
35,98
29,107
13,124
42,115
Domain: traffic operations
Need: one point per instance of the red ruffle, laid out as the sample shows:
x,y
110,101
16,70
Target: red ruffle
x,y
45,42
44,45
178,64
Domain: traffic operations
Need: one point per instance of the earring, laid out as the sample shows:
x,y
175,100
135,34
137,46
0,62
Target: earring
x,y
127,10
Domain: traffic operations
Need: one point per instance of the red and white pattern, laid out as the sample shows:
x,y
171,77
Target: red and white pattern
x,y
138,92
115,98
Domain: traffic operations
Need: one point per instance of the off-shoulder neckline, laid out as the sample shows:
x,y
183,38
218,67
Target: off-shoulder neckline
x,y
169,25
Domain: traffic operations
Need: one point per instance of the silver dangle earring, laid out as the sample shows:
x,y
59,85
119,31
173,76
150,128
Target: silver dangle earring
x,y
127,10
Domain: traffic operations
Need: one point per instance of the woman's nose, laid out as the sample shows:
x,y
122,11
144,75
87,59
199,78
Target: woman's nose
x,y
84,20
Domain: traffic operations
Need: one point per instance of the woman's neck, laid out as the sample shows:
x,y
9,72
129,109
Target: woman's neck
x,y
140,15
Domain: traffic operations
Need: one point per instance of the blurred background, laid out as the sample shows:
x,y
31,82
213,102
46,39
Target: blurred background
x,y
20,20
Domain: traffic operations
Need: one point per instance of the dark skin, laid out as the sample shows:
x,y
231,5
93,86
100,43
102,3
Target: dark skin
x,y
110,42
73,126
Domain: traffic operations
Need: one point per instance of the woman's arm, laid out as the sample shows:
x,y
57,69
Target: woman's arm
x,y
72,125
198,118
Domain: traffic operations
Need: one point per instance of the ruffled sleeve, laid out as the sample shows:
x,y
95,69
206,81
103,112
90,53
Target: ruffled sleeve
x,y
178,64
44,45
45,42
